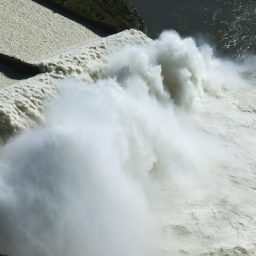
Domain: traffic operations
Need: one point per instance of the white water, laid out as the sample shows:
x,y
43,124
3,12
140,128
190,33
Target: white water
x,y
155,158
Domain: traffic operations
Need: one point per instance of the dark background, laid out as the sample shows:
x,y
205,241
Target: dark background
x,y
230,25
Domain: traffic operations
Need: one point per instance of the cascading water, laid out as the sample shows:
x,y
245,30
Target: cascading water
x,y
140,162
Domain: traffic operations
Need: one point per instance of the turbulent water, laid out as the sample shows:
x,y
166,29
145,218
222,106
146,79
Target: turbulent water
x,y
154,158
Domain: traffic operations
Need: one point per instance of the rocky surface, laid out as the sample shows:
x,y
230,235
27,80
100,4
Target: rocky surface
x,y
112,15
31,32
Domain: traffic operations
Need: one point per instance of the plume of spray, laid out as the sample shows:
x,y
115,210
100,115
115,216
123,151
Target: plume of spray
x,y
79,184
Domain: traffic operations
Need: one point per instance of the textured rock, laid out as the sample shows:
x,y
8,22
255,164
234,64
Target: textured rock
x,y
29,31
111,15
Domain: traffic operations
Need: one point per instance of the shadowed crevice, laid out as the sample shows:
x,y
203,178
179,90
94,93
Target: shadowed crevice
x,y
98,28
17,69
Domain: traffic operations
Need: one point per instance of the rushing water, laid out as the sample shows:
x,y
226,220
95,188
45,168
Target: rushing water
x,y
155,158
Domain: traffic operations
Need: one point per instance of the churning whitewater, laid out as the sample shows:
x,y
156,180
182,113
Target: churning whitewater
x,y
154,158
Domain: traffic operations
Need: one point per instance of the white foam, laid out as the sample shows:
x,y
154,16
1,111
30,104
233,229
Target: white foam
x,y
121,167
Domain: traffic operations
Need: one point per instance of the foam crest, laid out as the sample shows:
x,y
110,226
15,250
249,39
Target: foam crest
x,y
176,67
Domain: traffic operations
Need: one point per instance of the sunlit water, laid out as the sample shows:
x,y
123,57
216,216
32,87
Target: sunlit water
x,y
155,158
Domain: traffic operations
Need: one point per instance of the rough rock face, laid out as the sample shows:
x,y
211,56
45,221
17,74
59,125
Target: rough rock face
x,y
31,32
112,15
22,103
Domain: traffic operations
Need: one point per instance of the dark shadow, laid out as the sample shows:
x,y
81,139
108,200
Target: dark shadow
x,y
17,69
98,28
